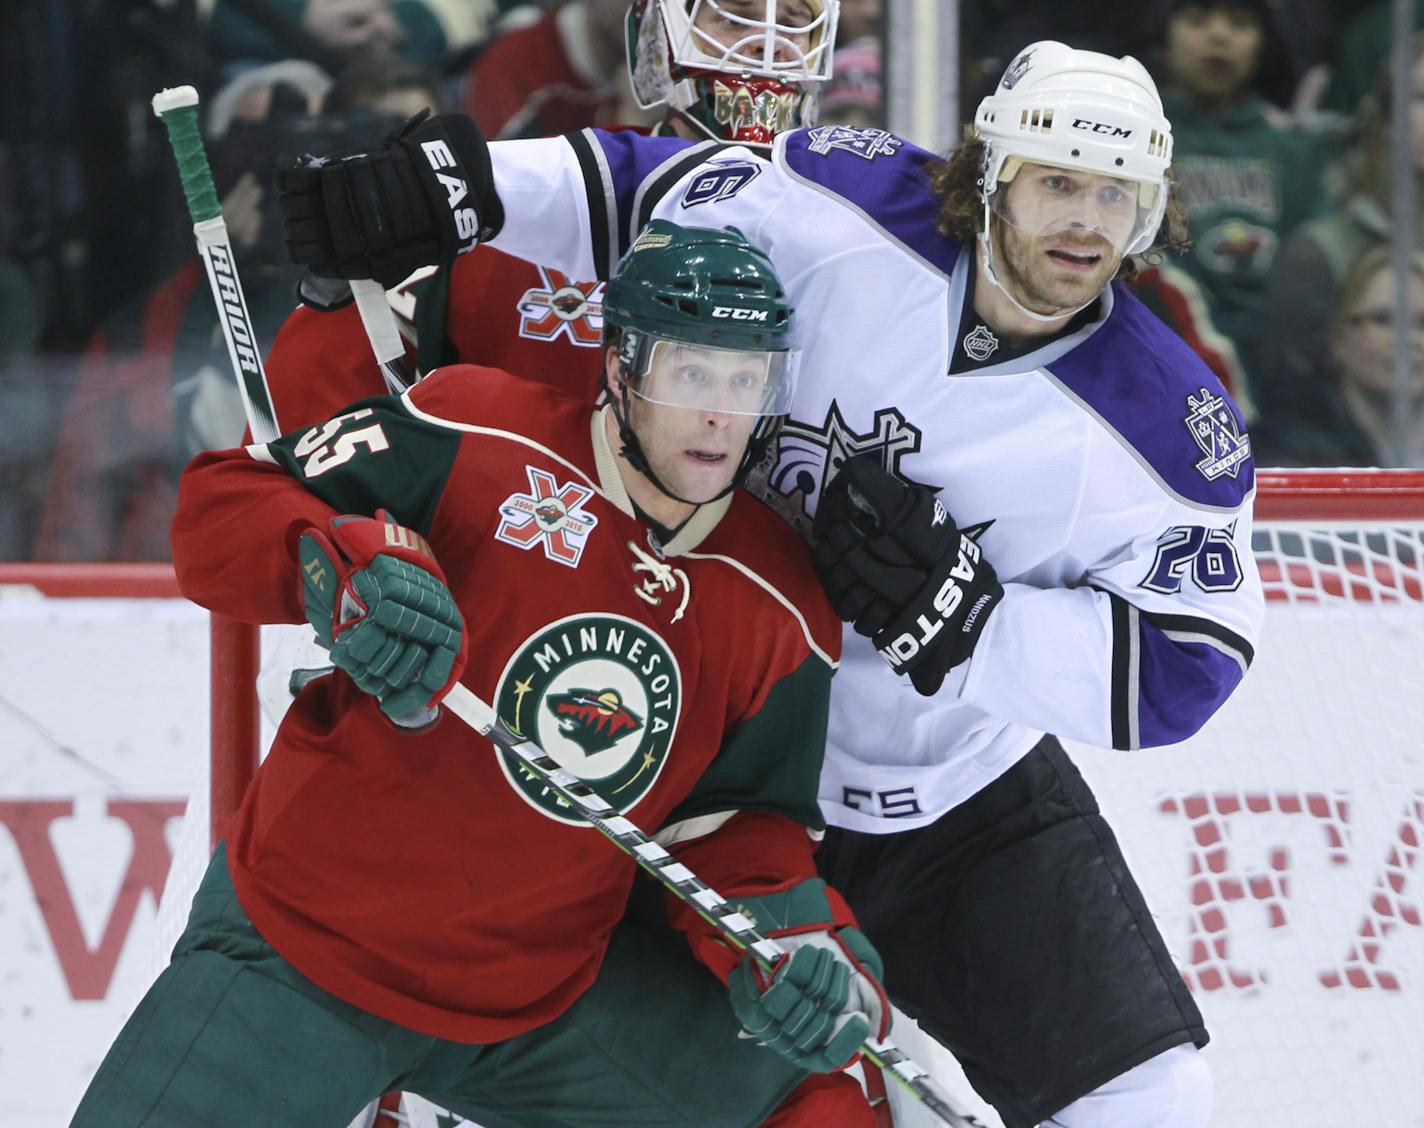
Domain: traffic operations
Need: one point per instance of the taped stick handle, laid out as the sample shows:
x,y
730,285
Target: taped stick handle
x,y
383,333
177,108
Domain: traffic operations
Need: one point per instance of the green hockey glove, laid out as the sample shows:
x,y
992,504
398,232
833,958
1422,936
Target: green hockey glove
x,y
824,998
379,603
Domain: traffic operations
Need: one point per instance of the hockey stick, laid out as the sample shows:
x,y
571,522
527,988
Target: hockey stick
x,y
737,929
381,331
177,108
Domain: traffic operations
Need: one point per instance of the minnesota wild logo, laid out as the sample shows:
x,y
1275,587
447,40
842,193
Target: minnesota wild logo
x,y
600,694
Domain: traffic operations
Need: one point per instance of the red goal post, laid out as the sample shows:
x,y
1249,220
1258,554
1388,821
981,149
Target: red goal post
x,y
1349,494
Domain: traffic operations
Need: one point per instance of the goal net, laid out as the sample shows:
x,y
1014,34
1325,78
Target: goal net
x,y
1279,848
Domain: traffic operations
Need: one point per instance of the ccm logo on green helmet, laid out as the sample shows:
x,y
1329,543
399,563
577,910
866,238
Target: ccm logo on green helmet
x,y
739,314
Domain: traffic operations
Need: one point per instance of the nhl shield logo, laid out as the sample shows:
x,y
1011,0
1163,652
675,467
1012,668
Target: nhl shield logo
x,y
1213,425
980,344
601,695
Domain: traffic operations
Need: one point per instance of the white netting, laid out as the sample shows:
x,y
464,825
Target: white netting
x,y
1280,848
190,859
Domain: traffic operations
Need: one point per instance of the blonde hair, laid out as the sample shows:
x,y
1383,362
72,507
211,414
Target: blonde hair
x,y
1357,281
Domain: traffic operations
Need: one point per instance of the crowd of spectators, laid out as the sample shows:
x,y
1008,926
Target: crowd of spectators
x,y
112,368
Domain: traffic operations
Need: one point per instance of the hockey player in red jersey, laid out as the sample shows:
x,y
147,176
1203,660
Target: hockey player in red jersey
x,y
726,70
1073,444
397,905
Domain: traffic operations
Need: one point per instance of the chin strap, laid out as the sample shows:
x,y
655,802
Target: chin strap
x,y
633,449
987,244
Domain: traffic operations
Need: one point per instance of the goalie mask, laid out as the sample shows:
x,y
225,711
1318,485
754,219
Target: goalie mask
x,y
1092,128
702,323
740,70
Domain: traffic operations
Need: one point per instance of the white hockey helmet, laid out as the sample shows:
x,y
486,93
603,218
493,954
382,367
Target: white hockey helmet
x,y
736,75
1083,110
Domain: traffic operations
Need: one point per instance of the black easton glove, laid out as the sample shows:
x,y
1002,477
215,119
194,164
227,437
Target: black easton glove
x,y
897,568
426,195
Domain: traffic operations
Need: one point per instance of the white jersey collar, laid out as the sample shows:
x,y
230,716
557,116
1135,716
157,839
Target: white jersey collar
x,y
1023,362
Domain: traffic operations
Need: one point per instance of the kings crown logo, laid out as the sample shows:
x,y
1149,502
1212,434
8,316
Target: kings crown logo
x,y
601,695
1016,70
1213,425
863,141
809,455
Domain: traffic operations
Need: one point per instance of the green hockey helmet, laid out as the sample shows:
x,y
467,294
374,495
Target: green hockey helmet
x,y
701,321
703,285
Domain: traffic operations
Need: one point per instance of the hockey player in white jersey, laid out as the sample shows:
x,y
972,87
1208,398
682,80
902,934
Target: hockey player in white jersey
x,y
1029,499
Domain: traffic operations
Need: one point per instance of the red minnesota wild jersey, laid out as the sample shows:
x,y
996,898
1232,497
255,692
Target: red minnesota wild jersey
x,y
489,309
422,875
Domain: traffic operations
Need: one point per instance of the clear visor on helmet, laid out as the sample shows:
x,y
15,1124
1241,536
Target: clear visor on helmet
x,y
789,38
731,381
1085,208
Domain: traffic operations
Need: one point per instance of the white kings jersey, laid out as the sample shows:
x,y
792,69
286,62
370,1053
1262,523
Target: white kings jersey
x,y
1107,476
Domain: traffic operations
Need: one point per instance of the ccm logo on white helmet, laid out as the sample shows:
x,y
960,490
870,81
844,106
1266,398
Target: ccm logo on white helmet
x,y
1101,127
739,314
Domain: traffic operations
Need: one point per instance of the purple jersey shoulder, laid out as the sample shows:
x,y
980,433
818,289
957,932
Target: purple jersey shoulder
x,y
883,177
635,170
1161,399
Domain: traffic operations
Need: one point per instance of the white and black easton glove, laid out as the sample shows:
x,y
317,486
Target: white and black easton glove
x,y
420,199
897,568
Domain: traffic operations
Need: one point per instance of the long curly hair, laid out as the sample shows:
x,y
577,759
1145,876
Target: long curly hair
x,y
956,182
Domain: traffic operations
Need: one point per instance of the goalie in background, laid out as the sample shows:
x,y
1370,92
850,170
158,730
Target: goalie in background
x,y
397,904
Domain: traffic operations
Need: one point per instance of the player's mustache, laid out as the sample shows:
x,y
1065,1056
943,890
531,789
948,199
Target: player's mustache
x,y
1090,241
